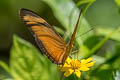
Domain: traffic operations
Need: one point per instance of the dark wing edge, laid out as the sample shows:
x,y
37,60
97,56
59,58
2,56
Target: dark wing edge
x,y
22,13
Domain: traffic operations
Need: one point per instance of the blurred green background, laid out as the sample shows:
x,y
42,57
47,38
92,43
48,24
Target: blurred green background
x,y
103,15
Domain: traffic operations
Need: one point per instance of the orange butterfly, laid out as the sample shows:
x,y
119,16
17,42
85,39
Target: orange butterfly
x,y
48,40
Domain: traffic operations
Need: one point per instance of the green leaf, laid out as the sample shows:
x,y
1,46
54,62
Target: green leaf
x,y
117,2
4,71
26,63
67,14
109,63
104,32
87,2
83,50
4,66
91,41
101,74
100,44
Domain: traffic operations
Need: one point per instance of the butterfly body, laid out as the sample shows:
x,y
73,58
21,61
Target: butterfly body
x,y
48,40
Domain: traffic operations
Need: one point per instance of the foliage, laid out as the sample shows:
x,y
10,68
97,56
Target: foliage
x,y
103,44
118,4
27,63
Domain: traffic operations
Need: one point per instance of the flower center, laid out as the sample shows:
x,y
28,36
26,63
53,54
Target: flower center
x,y
75,64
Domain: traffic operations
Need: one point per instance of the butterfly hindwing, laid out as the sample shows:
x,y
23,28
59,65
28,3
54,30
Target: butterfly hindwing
x,y
49,41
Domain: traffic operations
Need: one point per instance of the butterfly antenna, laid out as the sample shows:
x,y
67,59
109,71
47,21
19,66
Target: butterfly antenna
x,y
85,32
72,39
75,30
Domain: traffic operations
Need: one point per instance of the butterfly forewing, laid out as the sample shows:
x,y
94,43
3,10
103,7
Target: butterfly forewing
x,y
49,41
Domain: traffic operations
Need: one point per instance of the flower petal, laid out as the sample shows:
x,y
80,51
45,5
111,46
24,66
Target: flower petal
x,y
84,68
90,64
89,59
83,60
68,72
74,65
86,61
65,68
68,60
78,73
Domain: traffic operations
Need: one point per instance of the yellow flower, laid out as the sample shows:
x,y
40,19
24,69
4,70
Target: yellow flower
x,y
76,66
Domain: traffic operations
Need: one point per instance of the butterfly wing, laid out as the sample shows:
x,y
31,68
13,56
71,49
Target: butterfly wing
x,y
49,41
69,46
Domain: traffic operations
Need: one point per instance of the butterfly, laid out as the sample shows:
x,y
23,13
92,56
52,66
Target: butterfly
x,y
48,40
